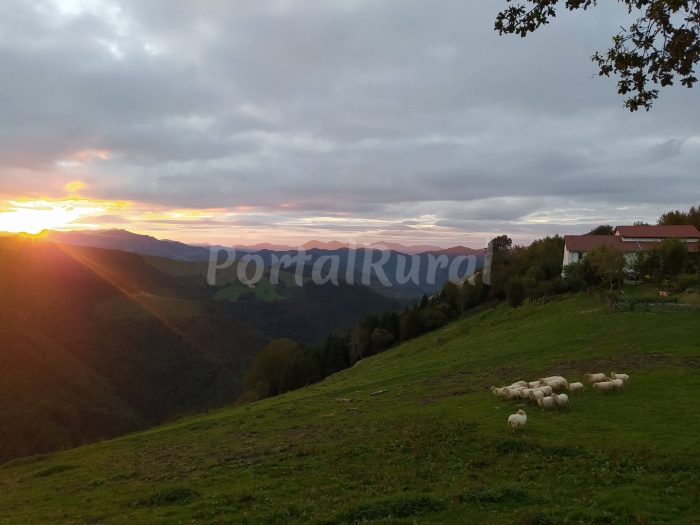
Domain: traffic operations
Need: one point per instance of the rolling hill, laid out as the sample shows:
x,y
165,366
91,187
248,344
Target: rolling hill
x,y
96,342
433,448
419,263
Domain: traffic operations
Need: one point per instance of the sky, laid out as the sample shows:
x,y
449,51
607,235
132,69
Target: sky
x,y
235,122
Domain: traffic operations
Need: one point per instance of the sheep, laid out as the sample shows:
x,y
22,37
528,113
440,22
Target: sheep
x,y
595,378
625,378
536,394
533,384
498,392
575,387
513,393
546,390
559,379
560,399
517,420
555,382
525,393
617,383
546,402
518,384
604,386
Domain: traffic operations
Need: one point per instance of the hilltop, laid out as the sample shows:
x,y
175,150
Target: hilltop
x,y
434,447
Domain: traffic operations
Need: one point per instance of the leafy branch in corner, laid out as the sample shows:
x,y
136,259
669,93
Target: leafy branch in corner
x,y
662,43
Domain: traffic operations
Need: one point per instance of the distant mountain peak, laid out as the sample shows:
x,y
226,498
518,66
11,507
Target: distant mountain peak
x,y
321,245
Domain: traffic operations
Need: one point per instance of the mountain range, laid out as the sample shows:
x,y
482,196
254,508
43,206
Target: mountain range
x,y
427,279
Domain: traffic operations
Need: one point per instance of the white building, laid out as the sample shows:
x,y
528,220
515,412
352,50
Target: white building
x,y
630,239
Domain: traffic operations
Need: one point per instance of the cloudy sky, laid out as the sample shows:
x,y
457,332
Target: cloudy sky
x,y
366,120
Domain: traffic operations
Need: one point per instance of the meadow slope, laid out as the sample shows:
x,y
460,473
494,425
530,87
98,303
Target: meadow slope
x,y
434,448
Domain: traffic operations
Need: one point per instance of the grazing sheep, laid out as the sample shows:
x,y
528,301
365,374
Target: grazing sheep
x,y
558,379
617,383
546,402
604,386
517,420
555,382
536,394
546,390
513,393
595,378
498,392
625,378
533,384
560,399
525,393
518,384
575,387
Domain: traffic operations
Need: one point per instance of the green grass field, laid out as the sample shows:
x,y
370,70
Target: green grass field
x,y
433,449
263,289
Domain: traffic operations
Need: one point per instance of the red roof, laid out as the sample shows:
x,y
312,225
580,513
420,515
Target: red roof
x,y
656,232
585,243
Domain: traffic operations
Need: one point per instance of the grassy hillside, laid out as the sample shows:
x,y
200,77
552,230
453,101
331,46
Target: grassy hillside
x,y
434,448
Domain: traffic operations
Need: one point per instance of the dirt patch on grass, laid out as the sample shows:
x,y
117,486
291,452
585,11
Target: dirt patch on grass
x,y
623,363
432,398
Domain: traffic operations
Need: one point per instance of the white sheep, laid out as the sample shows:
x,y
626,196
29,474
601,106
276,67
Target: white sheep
x,y
498,392
518,384
617,383
546,390
546,402
533,384
554,382
525,393
554,378
513,393
575,387
536,394
560,399
604,386
517,420
625,378
595,378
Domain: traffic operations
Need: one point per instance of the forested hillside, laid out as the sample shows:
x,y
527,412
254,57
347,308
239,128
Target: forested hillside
x,y
99,342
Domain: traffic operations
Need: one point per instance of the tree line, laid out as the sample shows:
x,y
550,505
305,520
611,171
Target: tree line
x,y
518,274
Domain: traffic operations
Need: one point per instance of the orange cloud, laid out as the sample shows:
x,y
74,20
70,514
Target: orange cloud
x,y
88,154
74,186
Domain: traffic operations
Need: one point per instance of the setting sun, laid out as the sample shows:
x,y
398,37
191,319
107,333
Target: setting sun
x,y
35,216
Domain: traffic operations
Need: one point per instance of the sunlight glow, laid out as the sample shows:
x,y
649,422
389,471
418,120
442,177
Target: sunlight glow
x,y
75,186
34,216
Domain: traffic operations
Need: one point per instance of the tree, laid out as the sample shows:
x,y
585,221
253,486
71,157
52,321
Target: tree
x,y
359,342
516,292
674,256
579,275
603,229
301,371
502,244
673,218
609,263
662,42
677,218
263,379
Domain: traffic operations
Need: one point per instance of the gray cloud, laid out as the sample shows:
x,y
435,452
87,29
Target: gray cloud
x,y
417,116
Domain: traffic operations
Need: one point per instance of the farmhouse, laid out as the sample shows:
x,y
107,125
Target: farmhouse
x,y
629,239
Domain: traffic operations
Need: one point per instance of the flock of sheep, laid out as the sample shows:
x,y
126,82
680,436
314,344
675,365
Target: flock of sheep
x,y
544,392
